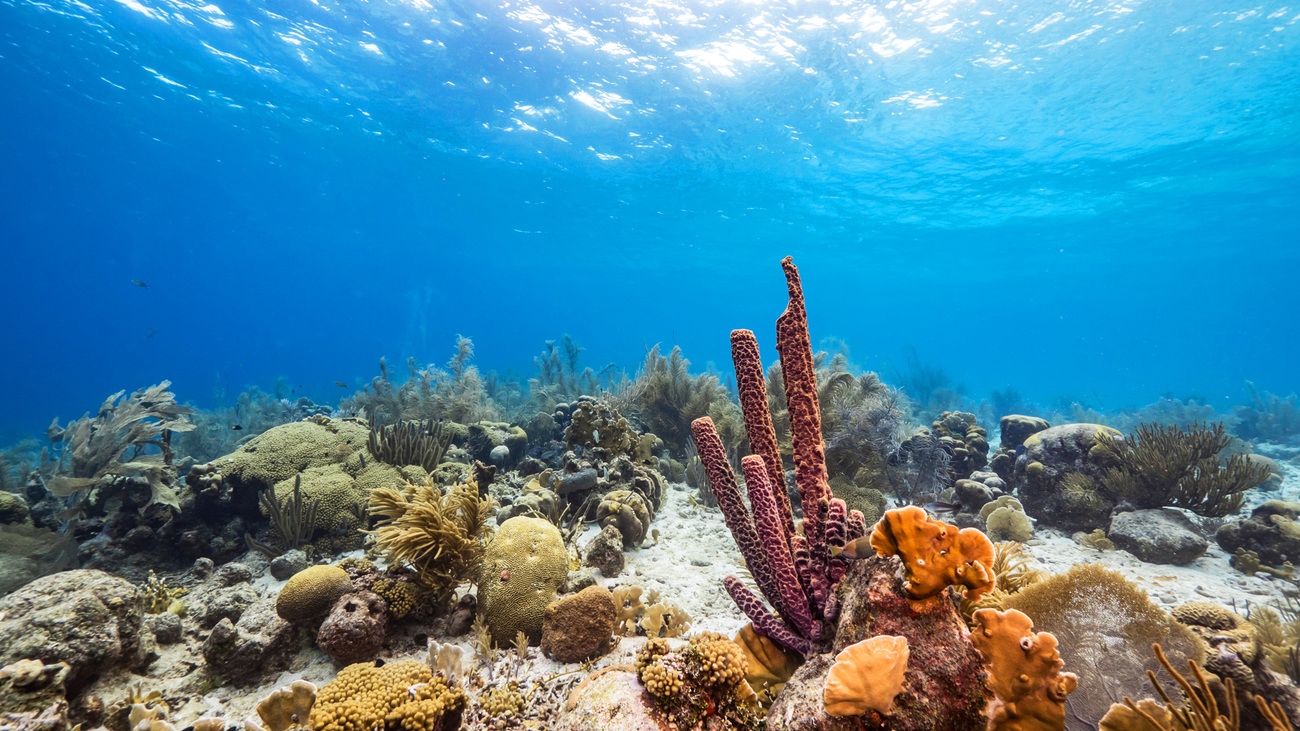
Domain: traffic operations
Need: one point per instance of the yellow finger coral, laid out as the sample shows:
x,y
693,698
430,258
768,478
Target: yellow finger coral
x,y
866,676
400,695
935,555
1024,672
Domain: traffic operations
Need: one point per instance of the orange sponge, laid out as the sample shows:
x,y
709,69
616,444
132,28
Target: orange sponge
x,y
1024,672
935,555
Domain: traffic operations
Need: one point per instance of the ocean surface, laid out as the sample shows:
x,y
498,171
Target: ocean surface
x,y
1089,202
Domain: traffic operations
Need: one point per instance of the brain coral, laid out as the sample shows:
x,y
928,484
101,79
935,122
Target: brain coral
x,y
522,570
399,695
311,592
282,452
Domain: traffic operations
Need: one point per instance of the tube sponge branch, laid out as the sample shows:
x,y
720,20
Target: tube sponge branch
x,y
793,570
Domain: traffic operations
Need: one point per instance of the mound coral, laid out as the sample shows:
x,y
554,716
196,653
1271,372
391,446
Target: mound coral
x,y
522,570
311,592
866,676
439,535
402,695
628,512
935,555
1024,672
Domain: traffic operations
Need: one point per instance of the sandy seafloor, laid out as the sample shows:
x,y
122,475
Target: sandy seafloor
x,y
686,565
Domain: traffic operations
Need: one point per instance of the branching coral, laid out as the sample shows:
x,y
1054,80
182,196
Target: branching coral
x,y
440,535
1268,417
1024,672
935,555
456,394
292,520
704,679
402,695
1160,466
127,438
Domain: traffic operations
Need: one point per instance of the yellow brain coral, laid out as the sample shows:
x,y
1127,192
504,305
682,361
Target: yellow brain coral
x,y
311,592
401,695
1024,672
935,554
522,570
866,676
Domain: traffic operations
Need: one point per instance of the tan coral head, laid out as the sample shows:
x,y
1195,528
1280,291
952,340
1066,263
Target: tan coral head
x,y
866,676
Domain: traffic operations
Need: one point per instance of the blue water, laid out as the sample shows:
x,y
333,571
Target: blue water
x,y
1094,200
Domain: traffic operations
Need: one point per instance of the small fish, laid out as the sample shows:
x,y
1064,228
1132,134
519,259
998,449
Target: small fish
x,y
595,435
340,384
235,427
152,331
1020,450
139,284
861,548
943,508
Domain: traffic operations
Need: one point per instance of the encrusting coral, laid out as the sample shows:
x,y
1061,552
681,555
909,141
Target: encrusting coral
x,y
1024,672
866,676
935,555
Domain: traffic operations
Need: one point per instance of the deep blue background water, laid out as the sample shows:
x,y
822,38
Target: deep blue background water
x,y
1096,200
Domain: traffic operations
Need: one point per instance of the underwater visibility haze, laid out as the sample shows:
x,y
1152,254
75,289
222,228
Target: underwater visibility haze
x,y
1033,430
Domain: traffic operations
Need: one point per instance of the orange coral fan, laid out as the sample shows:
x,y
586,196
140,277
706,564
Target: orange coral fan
x,y
1024,672
935,554
866,676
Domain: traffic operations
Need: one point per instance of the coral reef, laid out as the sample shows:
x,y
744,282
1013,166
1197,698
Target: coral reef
x,y
626,511
1268,417
1271,534
522,570
1056,477
967,441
